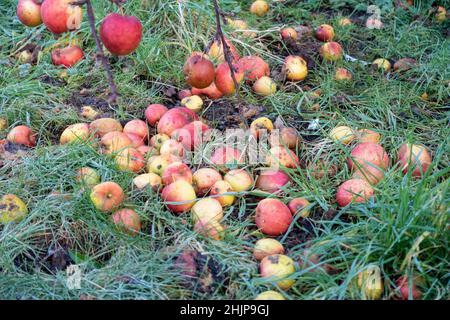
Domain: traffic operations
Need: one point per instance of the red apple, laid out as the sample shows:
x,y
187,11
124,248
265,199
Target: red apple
x,y
127,220
297,205
174,119
61,15
272,180
342,74
204,179
29,13
331,51
368,160
273,217
199,71
288,33
22,135
253,67
281,156
67,56
211,92
179,196
154,112
136,141
415,157
130,159
404,287
224,80
176,171
353,190
173,147
226,156
186,93
209,228
324,33
107,196
121,34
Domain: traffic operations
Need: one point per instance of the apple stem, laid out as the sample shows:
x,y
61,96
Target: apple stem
x,y
227,55
100,53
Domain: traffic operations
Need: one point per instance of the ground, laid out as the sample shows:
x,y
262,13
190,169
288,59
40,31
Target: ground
x,y
404,231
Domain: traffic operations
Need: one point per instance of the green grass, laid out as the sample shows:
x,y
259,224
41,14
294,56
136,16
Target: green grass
x,y
404,231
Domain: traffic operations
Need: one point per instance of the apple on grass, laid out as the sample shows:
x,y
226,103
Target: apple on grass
x,y
107,196
12,209
68,56
266,247
22,135
29,13
78,132
223,192
154,112
207,209
102,126
204,179
277,268
127,220
179,196
273,217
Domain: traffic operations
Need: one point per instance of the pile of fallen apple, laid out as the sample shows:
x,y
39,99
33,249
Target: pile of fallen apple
x,y
158,160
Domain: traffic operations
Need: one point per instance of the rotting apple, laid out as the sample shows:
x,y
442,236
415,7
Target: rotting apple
x,y
278,268
107,196
273,217
120,34
176,171
147,151
157,164
288,33
60,16
441,14
265,86
12,209
191,135
382,64
239,179
29,13
272,180
259,8
266,247
78,132
130,159
299,206
270,295
68,56
179,196
173,147
88,177
354,190
187,93
261,126
22,135
342,134
136,141
199,71
174,119
342,74
295,68
194,103
127,220
404,64
224,81
368,135
368,161
414,157
331,51
204,179
104,125
154,112
371,283
150,179
285,137
281,156
406,290
223,192
253,67
207,209
324,33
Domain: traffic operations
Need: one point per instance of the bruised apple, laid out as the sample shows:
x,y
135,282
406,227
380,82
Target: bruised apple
x,y
382,64
211,92
22,135
130,159
78,132
367,135
150,179
12,209
265,86
176,171
414,157
29,13
273,217
107,196
299,205
354,190
136,141
277,268
295,68
68,56
224,81
207,209
285,137
239,179
120,34
127,220
324,33
331,51
253,67
223,192
104,125
408,289
179,196
154,112
157,164
342,134
199,71
281,156
173,147
191,135
261,126
266,247
371,283
272,181
61,15
204,179
194,103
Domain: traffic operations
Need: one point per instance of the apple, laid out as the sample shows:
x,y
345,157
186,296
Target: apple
x,y
207,209
211,92
187,93
288,33
174,119
279,155
173,147
404,286
441,14
157,164
60,16
176,171
120,34
265,86
154,112
210,229
114,142
224,81
342,134
261,126
225,156
157,140
199,71
285,137
311,261
191,135
295,68
87,176
324,33
104,125
147,151
354,190
3,124
136,141
127,220
345,22
107,196
414,157
22,135
78,132
215,51
12,209
331,51
194,103
368,135
253,67
266,247
130,159
88,112
223,192
368,161
299,205
137,127
29,13
150,179
259,7
25,56
382,64
241,25
204,179
270,295
342,74
371,283
239,179
179,196
273,217
278,268
272,180
68,56
404,64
